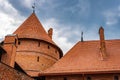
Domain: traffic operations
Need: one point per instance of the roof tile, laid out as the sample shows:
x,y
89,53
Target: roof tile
x,y
85,57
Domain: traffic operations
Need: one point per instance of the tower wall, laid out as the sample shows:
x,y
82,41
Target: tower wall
x,y
35,55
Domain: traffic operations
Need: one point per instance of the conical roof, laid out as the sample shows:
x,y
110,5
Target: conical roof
x,y
32,28
85,57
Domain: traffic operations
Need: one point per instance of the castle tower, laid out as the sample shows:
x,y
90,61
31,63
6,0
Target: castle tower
x,y
36,51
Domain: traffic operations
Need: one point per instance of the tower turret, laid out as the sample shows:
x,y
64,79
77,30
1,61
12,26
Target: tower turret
x,y
36,50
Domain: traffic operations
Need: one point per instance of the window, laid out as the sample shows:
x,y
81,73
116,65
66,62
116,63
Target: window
x,y
38,44
42,64
18,42
65,78
55,51
48,47
38,59
42,78
116,78
15,41
88,78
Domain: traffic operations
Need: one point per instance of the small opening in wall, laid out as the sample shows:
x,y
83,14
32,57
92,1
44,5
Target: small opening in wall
x,y
88,78
42,64
43,78
38,59
19,42
38,44
116,78
65,78
55,51
48,47
15,41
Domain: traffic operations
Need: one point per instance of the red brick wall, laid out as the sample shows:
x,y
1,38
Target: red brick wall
x,y
10,48
8,73
35,56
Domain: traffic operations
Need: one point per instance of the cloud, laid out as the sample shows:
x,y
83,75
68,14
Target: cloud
x,y
9,18
82,7
112,16
66,36
61,40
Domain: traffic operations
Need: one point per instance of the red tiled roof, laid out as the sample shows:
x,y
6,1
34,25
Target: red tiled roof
x,y
32,28
85,57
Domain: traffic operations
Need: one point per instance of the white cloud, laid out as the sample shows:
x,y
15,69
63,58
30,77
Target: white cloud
x,y
63,34
9,18
61,40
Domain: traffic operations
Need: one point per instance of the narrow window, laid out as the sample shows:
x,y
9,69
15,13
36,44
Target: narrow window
x,y
65,78
18,42
89,78
55,51
15,41
48,47
116,78
42,64
38,59
43,78
38,44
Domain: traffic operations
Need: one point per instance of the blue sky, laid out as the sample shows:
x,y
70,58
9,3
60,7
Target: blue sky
x,y
67,17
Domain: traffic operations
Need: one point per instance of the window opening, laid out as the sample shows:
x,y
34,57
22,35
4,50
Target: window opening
x,y
38,44
116,78
88,78
38,59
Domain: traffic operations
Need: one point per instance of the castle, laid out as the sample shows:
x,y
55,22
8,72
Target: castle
x,y
30,53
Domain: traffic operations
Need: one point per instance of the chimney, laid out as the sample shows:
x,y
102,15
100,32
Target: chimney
x,y
50,32
10,45
102,43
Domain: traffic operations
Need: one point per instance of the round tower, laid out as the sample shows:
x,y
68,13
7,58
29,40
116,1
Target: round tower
x,y
36,51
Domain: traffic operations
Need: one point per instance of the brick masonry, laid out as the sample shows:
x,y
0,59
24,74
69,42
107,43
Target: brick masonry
x,y
34,56
8,73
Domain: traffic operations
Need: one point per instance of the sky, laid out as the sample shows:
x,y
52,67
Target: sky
x,y
68,18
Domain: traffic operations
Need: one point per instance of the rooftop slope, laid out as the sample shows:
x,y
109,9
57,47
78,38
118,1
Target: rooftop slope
x,y
32,28
85,57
